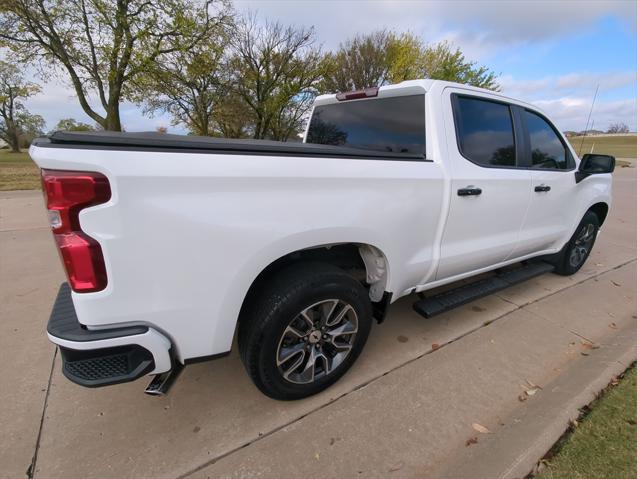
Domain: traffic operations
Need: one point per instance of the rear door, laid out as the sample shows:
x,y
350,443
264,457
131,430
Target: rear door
x,y
550,213
490,191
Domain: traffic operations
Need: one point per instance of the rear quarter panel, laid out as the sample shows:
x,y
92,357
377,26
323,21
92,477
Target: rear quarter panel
x,y
185,234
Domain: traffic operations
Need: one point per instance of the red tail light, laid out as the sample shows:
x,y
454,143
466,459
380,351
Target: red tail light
x,y
67,193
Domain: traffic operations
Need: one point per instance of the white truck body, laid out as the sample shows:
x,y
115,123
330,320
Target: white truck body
x,y
185,234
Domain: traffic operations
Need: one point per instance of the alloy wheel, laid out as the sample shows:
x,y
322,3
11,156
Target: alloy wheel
x,y
317,341
582,245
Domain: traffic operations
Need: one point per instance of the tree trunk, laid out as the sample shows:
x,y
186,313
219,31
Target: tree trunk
x,y
113,122
14,139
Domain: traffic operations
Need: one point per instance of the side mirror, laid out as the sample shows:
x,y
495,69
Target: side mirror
x,y
593,164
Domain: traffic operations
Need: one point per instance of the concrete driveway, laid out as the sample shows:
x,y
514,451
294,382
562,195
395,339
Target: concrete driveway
x,y
409,408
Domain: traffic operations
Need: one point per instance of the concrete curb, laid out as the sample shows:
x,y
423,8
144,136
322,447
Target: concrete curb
x,y
541,421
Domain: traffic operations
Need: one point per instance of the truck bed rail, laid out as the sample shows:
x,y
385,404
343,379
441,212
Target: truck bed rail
x,y
154,141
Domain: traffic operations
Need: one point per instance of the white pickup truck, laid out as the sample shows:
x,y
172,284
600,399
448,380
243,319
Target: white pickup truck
x,y
173,244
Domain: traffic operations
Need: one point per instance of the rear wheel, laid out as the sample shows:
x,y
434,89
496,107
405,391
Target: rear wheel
x,y
304,330
579,247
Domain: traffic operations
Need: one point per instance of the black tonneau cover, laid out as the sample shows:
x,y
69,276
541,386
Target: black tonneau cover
x,y
154,141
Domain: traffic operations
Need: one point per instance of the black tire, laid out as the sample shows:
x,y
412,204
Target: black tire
x,y
576,251
264,334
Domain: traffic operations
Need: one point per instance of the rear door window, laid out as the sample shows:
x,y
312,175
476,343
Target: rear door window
x,y
485,131
394,124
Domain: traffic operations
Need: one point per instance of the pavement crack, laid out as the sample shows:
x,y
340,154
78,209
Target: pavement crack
x,y
509,301
31,469
581,336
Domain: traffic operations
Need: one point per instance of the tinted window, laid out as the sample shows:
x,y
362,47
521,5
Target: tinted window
x,y
394,124
547,150
485,132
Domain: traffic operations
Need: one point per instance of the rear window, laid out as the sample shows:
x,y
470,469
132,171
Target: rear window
x,y
395,124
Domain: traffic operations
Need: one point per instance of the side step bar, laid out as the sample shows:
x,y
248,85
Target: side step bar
x,y
443,302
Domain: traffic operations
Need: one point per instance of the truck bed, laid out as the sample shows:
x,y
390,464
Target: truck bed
x,y
154,141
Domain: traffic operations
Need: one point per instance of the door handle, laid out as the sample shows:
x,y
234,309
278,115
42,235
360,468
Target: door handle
x,y
542,188
469,191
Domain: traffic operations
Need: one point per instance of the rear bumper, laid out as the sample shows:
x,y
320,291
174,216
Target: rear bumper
x,y
106,356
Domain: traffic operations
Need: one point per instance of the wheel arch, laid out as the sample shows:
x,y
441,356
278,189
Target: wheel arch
x,y
363,261
601,210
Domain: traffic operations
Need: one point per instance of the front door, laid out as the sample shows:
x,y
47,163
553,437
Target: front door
x,y
550,215
490,194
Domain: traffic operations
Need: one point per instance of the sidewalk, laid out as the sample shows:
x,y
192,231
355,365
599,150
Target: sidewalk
x,y
406,408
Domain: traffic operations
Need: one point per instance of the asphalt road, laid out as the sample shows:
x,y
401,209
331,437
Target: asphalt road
x,y
406,409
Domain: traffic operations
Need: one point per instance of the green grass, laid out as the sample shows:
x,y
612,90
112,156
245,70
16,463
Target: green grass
x,y
618,146
18,172
604,445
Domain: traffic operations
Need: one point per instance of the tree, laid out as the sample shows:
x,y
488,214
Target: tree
x,y
233,117
15,120
442,62
104,45
275,72
70,124
189,84
361,62
406,58
384,57
618,127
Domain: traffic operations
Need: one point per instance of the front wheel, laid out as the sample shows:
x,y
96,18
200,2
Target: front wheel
x,y
304,330
579,247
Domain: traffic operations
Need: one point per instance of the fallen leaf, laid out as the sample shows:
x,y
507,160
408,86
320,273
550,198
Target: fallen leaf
x,y
435,346
396,467
539,467
589,345
522,397
612,326
584,354
574,423
317,456
480,428
532,391
470,441
616,284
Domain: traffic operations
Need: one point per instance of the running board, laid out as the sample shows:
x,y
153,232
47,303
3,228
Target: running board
x,y
464,294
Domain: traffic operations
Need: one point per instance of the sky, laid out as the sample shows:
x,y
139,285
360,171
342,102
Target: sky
x,y
550,53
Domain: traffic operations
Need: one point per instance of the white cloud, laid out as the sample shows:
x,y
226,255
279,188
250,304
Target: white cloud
x,y
480,28
567,98
571,113
570,83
